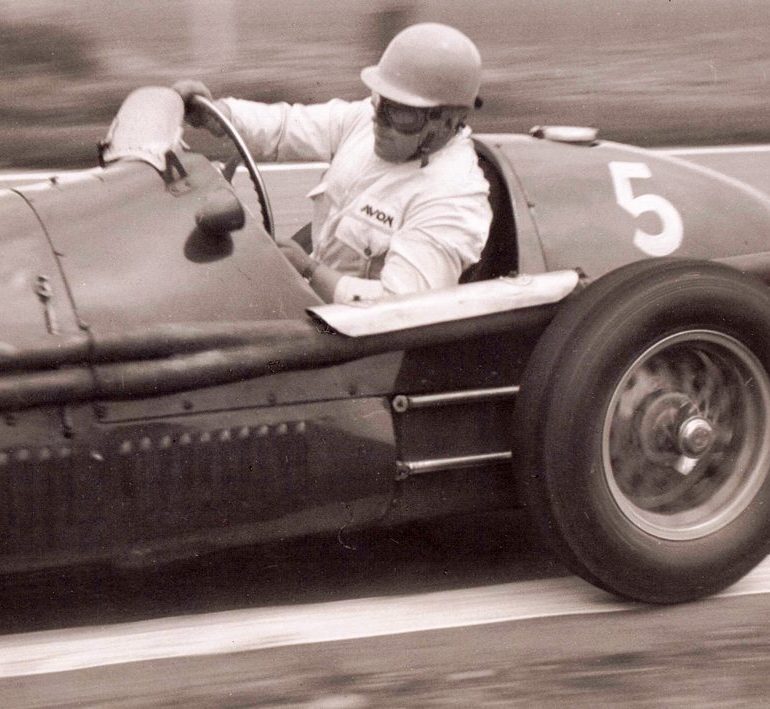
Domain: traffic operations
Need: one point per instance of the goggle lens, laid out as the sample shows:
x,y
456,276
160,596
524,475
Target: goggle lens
x,y
405,119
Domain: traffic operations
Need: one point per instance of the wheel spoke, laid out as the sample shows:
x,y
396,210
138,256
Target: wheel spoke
x,y
683,432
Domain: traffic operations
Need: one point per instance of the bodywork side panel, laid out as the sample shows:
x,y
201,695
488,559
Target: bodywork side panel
x,y
583,198
529,250
188,484
368,377
30,321
290,453
133,256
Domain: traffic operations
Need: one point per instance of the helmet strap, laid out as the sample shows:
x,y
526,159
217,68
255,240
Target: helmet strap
x,y
425,147
424,152
449,126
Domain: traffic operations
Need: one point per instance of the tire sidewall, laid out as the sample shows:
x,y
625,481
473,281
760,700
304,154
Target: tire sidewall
x,y
594,535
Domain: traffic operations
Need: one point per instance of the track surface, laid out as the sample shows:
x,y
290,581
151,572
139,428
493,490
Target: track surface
x,y
469,612
458,613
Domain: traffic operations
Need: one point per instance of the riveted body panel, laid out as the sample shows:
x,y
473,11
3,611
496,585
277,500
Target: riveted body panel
x,y
126,490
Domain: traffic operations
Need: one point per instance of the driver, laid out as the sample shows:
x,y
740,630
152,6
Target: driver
x,y
403,206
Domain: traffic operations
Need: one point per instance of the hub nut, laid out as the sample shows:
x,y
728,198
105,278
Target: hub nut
x,y
695,436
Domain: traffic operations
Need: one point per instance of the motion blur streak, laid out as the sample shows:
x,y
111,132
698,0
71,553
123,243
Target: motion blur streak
x,y
260,628
11,177
657,72
715,150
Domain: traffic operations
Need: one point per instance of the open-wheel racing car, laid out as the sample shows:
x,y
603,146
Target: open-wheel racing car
x,y
171,386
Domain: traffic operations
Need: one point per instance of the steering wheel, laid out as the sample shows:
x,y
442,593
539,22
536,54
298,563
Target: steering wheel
x,y
251,166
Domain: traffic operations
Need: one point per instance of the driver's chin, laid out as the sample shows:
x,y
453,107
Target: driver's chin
x,y
393,147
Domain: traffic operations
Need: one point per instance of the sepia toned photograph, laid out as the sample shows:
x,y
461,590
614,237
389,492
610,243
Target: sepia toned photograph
x,y
384,353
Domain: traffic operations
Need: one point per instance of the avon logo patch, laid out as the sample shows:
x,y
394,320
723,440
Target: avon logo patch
x,y
378,214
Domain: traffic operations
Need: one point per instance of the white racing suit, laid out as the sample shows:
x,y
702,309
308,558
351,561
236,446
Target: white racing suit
x,y
390,228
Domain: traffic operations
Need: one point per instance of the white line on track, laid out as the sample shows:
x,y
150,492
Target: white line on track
x,y
47,174
288,167
260,628
715,150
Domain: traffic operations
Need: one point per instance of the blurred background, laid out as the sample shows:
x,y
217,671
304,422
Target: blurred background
x,y
652,72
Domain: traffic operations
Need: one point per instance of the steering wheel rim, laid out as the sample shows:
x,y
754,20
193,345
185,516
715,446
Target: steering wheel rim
x,y
251,166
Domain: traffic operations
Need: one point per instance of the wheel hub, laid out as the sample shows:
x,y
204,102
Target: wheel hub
x,y
684,439
670,426
696,436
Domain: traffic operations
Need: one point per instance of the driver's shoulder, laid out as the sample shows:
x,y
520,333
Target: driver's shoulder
x,y
455,167
358,114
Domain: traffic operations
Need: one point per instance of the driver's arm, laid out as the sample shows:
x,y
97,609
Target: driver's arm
x,y
322,279
279,131
438,241
284,132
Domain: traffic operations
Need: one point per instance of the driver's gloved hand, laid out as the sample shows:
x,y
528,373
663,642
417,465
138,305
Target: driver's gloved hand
x,y
197,118
187,88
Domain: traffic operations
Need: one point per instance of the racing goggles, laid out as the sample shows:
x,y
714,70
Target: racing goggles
x,y
409,120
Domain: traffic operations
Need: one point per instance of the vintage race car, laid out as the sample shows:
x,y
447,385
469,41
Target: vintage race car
x,y
171,386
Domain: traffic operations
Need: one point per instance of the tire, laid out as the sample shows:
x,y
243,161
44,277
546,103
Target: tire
x,y
643,430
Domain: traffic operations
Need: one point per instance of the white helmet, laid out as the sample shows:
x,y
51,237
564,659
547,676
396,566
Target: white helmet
x,y
425,65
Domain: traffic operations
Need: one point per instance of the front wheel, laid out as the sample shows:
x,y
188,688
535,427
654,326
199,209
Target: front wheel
x,y
644,424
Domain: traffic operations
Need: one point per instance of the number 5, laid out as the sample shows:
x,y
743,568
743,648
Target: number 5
x,y
669,238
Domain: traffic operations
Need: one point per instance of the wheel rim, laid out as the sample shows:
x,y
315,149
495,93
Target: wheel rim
x,y
684,442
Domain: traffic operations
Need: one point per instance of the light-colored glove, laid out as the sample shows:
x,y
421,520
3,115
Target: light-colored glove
x,y
197,118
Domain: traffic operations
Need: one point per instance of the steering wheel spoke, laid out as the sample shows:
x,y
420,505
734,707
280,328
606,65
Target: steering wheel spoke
x,y
229,168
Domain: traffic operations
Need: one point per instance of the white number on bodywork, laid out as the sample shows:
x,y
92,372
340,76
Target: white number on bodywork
x,y
669,238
